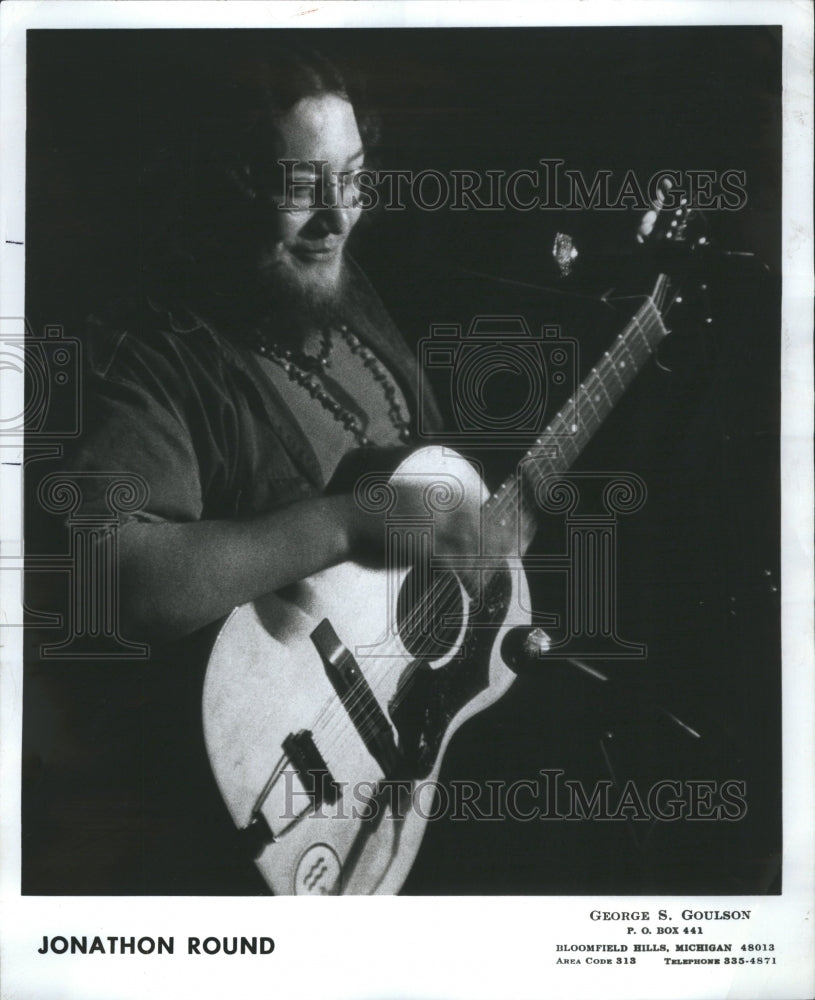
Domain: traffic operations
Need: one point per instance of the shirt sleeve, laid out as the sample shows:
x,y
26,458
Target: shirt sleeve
x,y
135,425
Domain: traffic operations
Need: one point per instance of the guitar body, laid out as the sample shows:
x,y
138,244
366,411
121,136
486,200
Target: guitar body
x,y
328,707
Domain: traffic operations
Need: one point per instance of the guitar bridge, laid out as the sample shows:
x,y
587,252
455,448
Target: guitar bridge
x,y
300,751
311,768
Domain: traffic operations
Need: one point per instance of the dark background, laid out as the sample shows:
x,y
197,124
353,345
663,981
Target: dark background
x,y
698,566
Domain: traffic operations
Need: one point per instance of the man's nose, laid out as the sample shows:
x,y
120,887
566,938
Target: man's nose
x,y
335,219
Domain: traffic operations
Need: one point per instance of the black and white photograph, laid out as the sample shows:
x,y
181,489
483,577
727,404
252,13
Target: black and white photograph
x,y
402,461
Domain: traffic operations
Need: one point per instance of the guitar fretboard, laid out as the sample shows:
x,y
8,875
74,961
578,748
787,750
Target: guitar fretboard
x,y
576,423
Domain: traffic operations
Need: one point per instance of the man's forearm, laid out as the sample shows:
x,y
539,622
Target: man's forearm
x,y
176,578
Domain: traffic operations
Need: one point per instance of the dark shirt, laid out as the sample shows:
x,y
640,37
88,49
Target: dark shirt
x,y
173,397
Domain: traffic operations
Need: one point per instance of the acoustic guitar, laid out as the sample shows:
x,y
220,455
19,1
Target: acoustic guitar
x,y
328,707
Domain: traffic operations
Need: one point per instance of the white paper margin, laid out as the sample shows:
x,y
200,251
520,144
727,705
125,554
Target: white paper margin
x,y
447,947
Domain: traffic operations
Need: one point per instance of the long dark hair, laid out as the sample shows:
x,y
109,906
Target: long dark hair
x,y
207,192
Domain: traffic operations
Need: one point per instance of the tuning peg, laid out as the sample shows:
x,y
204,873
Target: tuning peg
x,y
647,224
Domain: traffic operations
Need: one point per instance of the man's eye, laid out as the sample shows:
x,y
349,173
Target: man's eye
x,y
350,185
301,195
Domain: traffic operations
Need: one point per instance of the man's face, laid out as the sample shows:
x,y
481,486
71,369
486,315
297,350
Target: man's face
x,y
306,255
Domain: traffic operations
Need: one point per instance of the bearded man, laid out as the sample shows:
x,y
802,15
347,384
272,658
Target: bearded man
x,y
255,356
264,359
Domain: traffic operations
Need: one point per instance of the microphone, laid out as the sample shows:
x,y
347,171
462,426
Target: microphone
x,y
523,650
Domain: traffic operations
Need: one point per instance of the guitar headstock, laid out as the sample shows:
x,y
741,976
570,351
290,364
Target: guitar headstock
x,y
676,235
670,219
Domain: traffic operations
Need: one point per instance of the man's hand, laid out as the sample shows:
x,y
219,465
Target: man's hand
x,y
457,531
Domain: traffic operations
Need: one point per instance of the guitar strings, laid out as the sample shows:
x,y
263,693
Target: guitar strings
x,y
357,698
334,714
506,499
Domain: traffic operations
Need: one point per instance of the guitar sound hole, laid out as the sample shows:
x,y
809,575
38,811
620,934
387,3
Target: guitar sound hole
x,y
429,618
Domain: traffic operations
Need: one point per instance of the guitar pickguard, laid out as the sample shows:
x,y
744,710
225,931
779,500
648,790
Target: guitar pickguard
x,y
305,736
425,704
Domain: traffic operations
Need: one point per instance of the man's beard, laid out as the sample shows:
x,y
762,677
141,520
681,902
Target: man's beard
x,y
271,293
297,299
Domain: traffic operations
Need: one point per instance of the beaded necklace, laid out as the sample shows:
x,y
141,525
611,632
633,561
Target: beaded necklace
x,y
304,369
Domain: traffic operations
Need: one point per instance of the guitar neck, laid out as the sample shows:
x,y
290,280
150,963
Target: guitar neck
x,y
577,422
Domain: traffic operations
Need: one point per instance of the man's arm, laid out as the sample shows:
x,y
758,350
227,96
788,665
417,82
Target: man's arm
x,y
177,577
179,569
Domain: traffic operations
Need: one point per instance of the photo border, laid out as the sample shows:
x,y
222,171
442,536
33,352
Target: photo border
x,y
421,947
